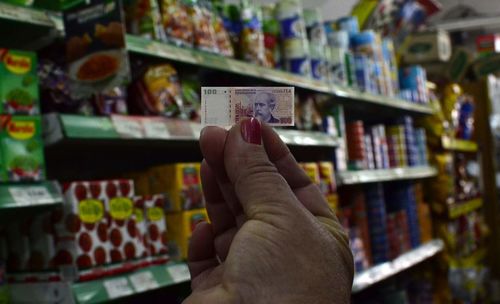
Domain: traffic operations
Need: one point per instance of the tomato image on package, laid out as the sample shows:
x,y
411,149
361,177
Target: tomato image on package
x,y
85,239
156,229
21,149
19,93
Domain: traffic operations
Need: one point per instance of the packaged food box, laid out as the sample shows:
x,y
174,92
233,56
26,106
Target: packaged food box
x,y
180,228
156,229
327,183
82,228
122,224
429,47
312,170
19,92
22,149
180,183
140,218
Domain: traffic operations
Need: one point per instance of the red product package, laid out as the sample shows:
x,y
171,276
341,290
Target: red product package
x,y
122,226
140,218
82,229
156,236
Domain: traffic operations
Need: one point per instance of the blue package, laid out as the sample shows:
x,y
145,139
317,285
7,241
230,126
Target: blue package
x,y
298,66
362,72
349,24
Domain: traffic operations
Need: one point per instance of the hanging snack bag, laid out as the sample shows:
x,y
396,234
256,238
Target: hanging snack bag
x,y
18,83
252,37
143,19
22,149
96,56
222,38
177,23
271,29
204,34
158,92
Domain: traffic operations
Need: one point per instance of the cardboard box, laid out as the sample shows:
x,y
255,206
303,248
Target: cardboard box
x,y
181,185
180,228
21,149
19,94
428,47
156,237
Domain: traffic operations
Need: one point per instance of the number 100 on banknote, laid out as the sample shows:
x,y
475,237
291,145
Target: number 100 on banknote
x,y
225,106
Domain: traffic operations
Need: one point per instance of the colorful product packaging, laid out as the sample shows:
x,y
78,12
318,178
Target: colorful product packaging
x,y
19,93
356,145
123,238
312,171
222,37
327,183
22,149
180,183
97,59
293,37
317,43
180,228
271,28
204,34
82,229
429,47
156,236
141,226
251,36
177,23
143,19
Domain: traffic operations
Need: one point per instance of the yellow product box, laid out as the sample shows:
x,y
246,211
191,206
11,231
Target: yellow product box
x,y
312,170
180,227
181,185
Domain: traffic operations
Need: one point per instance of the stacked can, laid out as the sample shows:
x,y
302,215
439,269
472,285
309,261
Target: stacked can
x,y
360,217
421,141
370,156
398,233
411,147
317,43
380,147
390,67
338,48
377,221
413,84
367,67
396,146
401,197
356,145
293,37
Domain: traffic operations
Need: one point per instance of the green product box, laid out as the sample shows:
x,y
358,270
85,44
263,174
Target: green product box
x,y
19,93
21,148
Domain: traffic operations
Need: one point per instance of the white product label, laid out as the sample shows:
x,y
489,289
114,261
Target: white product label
x,y
143,281
154,128
127,127
30,195
117,288
179,273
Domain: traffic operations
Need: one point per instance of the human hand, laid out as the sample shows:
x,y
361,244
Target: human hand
x,y
271,228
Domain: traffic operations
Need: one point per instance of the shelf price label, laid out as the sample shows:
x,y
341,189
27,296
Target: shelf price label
x,y
155,128
127,127
24,196
117,288
179,273
143,281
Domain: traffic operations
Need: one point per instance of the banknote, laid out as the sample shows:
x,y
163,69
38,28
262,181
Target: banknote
x,y
225,106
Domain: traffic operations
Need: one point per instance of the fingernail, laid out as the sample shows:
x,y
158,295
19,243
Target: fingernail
x,y
250,131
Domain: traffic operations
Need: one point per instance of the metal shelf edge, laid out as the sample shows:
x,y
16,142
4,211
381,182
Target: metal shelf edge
x,y
372,176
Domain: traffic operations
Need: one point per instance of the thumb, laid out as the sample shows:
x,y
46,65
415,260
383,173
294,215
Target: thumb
x,y
261,190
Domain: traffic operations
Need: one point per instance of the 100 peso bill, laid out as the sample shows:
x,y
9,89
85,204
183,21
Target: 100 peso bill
x,y
225,106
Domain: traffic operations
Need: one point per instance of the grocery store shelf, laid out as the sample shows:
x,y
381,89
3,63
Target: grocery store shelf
x,y
191,56
373,176
29,195
31,16
460,145
150,278
57,128
384,271
103,290
458,209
